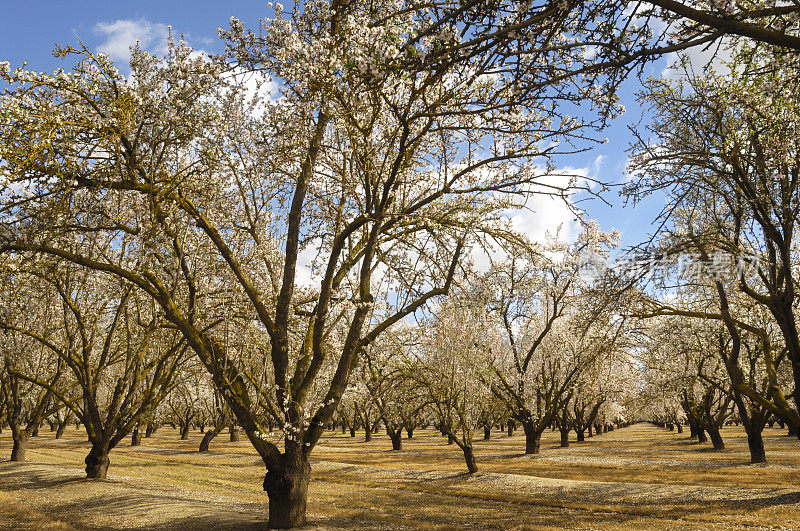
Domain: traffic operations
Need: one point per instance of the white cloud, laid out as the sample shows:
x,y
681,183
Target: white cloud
x,y
544,216
258,87
716,55
120,35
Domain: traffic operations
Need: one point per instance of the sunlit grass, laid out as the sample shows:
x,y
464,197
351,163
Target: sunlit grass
x,y
640,476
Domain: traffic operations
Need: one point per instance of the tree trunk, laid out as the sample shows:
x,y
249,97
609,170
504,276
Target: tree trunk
x,y
410,432
511,426
368,434
97,461
397,438
61,427
589,429
136,437
793,431
209,435
184,431
716,439
487,433
469,457
353,432
701,435
150,430
579,435
235,438
680,428
20,438
756,445
287,488
532,438
564,438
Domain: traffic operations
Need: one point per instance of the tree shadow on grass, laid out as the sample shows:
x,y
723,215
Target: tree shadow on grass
x,y
787,498
11,477
106,504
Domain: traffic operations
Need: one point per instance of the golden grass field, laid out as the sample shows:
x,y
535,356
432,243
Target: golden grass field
x,y
633,478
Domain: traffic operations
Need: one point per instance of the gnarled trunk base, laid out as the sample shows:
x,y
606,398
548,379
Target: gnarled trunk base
x,y
287,488
564,438
397,440
716,439
469,457
532,439
208,437
97,462
20,445
136,437
756,445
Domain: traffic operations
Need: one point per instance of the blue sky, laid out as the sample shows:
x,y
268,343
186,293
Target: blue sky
x,y
32,29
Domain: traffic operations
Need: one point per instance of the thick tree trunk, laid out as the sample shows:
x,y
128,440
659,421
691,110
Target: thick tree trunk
x,y
793,431
184,432
716,439
579,435
756,445
397,439
680,428
532,438
511,427
701,435
469,457
589,430
150,430
564,438
367,434
136,437
97,461
487,433
207,437
234,433
410,432
20,438
61,427
353,432
287,488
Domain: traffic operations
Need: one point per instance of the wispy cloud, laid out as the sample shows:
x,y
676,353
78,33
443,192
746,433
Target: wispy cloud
x,y
120,35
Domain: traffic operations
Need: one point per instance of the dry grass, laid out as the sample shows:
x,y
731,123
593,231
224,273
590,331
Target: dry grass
x,y
637,477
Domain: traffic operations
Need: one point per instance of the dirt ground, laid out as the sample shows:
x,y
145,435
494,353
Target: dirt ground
x,y
633,478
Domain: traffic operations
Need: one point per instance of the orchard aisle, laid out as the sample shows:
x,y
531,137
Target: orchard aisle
x,y
635,477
